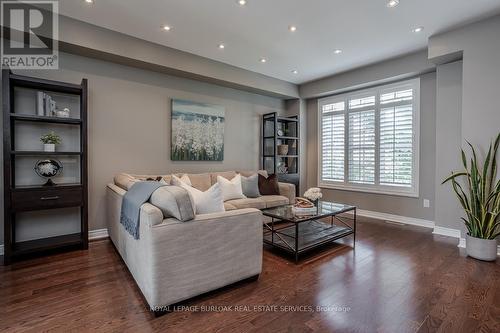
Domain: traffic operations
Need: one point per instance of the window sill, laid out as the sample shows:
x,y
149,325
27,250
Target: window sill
x,y
409,194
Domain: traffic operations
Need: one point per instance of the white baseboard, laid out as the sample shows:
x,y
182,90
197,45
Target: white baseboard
x,y
98,234
395,218
93,235
456,233
447,232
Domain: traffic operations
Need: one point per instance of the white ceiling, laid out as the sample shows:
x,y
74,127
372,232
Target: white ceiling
x,y
366,30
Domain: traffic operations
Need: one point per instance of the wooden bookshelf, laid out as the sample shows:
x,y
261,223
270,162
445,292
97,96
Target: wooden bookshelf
x,y
32,198
279,130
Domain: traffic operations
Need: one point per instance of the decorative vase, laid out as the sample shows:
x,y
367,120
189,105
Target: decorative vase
x,y
49,147
482,249
316,202
282,149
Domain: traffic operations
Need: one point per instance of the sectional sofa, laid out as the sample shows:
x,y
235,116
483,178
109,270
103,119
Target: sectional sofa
x,y
173,260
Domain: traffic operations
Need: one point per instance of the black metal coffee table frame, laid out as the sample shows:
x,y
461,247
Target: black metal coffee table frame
x,y
298,234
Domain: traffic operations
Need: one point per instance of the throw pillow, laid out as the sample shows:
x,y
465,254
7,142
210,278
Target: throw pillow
x,y
210,201
173,201
184,179
231,189
269,185
250,186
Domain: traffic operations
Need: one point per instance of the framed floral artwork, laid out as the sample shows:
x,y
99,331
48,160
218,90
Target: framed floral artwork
x,y
197,131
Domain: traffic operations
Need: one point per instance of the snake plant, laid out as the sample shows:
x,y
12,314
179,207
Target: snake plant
x,y
480,193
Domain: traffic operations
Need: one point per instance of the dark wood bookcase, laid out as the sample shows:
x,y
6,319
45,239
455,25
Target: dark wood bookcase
x,y
276,131
28,199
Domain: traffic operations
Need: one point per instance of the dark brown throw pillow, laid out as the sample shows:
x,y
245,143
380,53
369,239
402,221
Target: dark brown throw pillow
x,y
157,179
269,185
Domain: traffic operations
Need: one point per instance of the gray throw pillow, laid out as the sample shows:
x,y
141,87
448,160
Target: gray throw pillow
x,y
173,201
250,186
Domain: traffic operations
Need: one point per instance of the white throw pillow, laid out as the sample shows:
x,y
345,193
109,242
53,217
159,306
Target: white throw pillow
x,y
184,179
206,202
231,189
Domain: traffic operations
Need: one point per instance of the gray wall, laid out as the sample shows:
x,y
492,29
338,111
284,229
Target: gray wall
x,y
129,123
480,115
411,207
448,141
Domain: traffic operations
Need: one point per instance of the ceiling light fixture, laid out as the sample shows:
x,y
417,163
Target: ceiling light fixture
x,y
418,29
292,28
242,2
295,71
166,28
392,3
221,46
89,1
337,51
263,60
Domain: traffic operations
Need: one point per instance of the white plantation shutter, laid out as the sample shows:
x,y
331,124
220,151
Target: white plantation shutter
x,y
396,145
369,140
332,142
362,147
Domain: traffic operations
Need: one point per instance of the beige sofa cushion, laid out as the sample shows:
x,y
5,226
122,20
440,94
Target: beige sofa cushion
x,y
228,207
226,174
248,203
274,200
125,180
200,181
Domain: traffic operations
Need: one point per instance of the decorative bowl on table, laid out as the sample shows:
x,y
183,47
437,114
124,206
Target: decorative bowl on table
x,y
304,207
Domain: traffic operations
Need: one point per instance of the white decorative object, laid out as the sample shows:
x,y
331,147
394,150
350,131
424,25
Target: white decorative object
x,y
231,189
210,201
313,194
64,113
49,147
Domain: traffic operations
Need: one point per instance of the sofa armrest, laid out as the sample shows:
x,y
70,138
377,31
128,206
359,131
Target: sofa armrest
x,y
287,190
149,214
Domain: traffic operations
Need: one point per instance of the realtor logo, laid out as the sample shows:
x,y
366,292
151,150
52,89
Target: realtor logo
x,y
30,34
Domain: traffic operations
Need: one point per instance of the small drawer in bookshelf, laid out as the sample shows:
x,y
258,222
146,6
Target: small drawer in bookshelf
x,y
46,198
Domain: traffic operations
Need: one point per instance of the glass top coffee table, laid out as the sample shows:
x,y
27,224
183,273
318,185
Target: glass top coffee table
x,y
296,234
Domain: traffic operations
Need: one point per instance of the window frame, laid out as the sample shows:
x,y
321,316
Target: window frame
x,y
377,188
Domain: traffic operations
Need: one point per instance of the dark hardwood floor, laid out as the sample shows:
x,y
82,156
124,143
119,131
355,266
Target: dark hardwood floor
x,y
398,279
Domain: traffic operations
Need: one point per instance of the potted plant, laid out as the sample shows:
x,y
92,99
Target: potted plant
x,y
50,140
479,196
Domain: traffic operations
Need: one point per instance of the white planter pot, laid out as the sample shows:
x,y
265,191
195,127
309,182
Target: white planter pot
x,y
482,249
49,147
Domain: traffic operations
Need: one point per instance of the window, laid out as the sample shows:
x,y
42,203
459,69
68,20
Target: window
x,y
368,140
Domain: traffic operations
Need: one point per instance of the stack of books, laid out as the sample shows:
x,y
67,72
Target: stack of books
x,y
45,106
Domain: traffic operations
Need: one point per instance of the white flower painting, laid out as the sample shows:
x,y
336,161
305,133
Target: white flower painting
x,y
197,131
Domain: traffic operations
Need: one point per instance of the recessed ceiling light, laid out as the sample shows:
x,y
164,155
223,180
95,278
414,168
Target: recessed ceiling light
x,y
263,60
89,1
392,3
292,28
337,51
167,27
242,2
295,71
221,46
418,29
